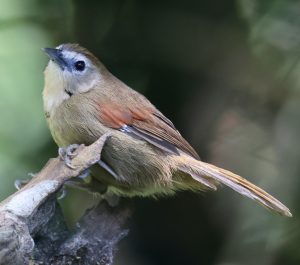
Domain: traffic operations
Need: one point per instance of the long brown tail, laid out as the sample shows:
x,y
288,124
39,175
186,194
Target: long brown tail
x,y
208,173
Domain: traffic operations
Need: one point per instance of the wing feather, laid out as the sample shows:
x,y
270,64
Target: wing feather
x,y
146,122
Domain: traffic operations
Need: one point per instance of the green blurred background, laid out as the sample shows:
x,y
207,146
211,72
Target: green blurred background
x,y
227,73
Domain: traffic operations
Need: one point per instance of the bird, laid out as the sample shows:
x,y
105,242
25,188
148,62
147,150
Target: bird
x,y
146,155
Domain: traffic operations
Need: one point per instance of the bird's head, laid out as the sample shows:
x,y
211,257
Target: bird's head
x,y
71,70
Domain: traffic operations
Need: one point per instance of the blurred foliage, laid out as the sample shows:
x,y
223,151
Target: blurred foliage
x,y
227,74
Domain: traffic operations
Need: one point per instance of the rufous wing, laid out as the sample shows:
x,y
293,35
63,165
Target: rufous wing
x,y
145,122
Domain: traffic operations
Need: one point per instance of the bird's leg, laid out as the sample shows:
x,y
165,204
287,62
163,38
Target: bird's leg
x,y
108,169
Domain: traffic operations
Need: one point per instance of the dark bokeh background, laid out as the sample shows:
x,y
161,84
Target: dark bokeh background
x,y
227,73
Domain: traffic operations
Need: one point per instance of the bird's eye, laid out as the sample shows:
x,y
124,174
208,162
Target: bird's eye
x,y
79,66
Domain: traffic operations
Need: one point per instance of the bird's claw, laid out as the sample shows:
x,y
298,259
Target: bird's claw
x,y
68,153
31,175
20,183
62,193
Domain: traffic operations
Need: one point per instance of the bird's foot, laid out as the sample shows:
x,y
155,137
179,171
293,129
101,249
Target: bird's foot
x,y
68,153
20,183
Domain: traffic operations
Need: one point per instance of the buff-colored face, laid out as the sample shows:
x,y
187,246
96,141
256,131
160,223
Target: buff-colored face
x,y
68,72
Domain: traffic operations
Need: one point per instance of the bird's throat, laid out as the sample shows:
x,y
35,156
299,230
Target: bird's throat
x,y
54,89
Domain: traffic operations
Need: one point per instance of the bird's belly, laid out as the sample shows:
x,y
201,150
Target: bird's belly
x,y
141,168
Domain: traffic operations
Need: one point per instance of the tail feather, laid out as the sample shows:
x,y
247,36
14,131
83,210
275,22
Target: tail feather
x,y
208,173
206,182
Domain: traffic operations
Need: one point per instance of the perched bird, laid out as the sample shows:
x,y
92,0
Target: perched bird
x,y
146,155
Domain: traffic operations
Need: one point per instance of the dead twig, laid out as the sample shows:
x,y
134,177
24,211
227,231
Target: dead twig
x,y
32,227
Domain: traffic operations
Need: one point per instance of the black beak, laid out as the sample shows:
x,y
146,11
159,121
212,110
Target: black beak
x,y
56,56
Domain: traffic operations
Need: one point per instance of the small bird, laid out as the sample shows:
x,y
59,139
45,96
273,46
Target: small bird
x,y
145,155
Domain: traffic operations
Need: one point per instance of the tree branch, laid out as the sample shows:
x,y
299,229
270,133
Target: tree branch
x,y
32,227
